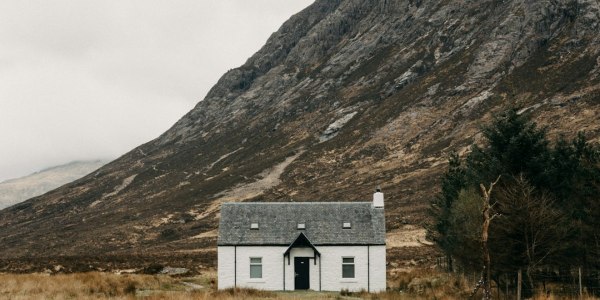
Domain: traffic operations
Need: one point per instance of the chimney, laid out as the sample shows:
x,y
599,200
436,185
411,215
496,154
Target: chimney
x,y
378,198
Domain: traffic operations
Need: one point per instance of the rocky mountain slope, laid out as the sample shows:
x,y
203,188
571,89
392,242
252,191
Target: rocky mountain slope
x,y
346,96
18,190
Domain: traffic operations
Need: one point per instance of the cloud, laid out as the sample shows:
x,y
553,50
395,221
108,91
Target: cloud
x,y
93,79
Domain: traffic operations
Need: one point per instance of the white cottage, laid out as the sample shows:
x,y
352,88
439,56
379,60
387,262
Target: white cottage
x,y
322,246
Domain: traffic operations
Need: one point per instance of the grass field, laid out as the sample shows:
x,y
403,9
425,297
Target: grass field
x,y
416,284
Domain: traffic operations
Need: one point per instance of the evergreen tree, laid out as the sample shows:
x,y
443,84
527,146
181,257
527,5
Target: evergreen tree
x,y
549,201
513,146
453,182
465,229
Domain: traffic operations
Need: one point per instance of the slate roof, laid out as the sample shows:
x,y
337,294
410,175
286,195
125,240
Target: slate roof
x,y
278,223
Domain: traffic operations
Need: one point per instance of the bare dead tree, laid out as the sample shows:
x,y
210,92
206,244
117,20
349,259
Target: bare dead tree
x,y
538,227
487,216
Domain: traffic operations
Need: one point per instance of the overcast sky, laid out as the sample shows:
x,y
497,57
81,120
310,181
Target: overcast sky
x,y
90,79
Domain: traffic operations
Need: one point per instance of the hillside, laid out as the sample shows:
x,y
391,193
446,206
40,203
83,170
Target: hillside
x,y
18,190
345,96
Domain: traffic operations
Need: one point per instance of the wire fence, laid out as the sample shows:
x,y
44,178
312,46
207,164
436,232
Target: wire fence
x,y
565,282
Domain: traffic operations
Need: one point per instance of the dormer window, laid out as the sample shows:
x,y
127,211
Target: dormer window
x,y
254,226
301,226
346,225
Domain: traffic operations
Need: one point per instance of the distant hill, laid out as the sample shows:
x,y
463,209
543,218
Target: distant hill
x,y
18,190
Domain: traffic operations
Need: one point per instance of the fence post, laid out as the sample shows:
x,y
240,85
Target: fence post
x,y
498,287
580,286
519,281
506,294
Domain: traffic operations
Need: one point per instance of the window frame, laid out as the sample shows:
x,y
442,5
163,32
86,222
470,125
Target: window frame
x,y
349,264
255,264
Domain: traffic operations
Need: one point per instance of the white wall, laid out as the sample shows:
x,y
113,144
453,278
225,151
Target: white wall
x,y
272,267
331,267
378,270
225,267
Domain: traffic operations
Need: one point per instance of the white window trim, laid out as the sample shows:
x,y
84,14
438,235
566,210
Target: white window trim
x,y
256,279
353,264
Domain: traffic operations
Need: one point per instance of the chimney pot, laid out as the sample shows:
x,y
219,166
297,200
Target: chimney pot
x,y
378,198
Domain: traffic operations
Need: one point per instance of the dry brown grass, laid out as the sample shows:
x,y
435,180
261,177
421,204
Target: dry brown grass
x,y
95,285
206,295
427,284
91,285
435,284
542,296
413,284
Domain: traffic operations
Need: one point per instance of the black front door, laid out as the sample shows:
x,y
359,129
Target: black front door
x,y
301,280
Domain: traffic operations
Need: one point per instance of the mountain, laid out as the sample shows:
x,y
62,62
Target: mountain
x,y
18,190
344,97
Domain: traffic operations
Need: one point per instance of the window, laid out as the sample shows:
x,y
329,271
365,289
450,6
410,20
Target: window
x,y
255,267
254,226
301,226
347,267
346,225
